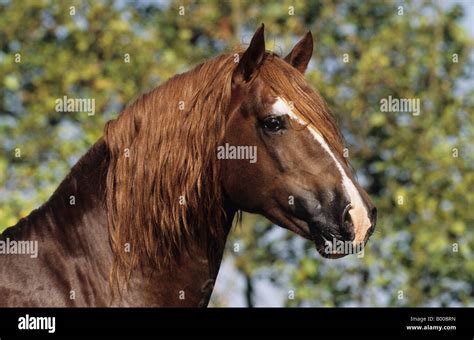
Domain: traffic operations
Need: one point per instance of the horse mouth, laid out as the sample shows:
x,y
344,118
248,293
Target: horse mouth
x,y
329,246
315,232
322,246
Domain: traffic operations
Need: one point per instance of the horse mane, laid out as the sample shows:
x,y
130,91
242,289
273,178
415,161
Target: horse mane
x,y
163,186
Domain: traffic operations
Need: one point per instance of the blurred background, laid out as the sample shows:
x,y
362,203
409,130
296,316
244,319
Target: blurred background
x,y
419,170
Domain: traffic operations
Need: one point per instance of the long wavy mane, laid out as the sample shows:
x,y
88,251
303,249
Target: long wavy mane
x,y
163,182
163,187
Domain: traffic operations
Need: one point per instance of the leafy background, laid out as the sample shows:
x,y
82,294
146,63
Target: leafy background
x,y
421,254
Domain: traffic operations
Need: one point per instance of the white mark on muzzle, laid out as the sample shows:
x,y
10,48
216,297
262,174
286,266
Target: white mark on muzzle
x,y
358,212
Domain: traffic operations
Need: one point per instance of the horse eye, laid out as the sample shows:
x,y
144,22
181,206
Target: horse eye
x,y
272,124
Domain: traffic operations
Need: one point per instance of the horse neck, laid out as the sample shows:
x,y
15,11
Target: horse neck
x,y
79,195
72,227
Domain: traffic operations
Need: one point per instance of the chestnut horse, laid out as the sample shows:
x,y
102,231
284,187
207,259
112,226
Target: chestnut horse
x,y
142,218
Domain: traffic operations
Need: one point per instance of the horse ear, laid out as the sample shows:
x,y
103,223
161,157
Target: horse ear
x,y
251,58
301,54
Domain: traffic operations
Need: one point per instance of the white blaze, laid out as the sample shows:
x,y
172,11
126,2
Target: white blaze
x,y
358,212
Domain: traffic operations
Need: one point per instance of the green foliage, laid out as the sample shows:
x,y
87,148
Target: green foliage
x,y
398,156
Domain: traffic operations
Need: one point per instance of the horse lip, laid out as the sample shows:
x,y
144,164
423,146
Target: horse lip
x,y
317,232
318,238
320,241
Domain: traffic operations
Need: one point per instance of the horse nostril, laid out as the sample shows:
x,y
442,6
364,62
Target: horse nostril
x,y
373,217
347,225
346,217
